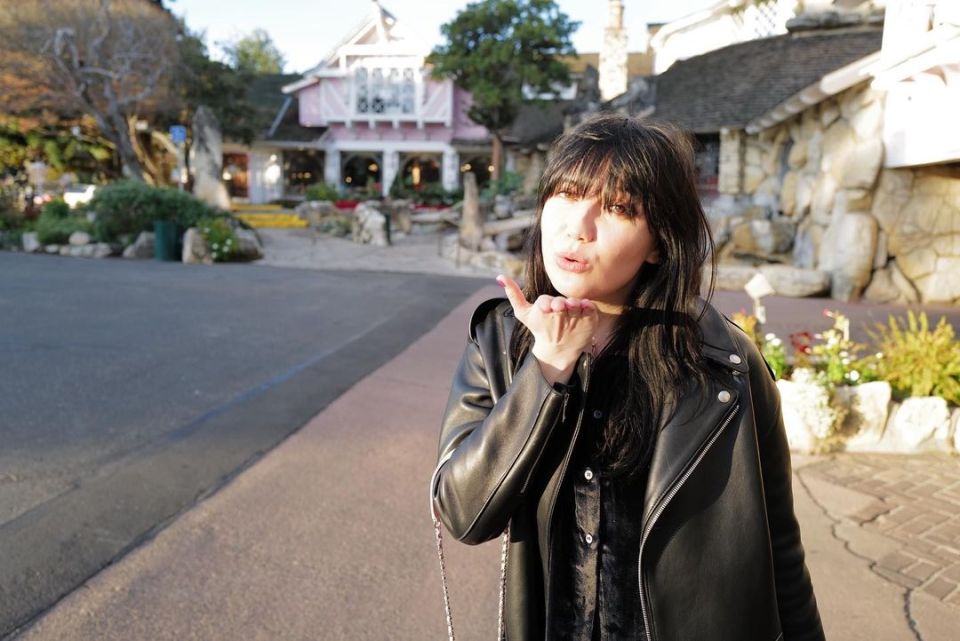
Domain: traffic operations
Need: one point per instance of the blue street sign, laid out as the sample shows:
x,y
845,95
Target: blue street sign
x,y
179,134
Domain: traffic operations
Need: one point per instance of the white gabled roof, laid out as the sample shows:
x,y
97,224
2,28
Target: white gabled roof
x,y
379,31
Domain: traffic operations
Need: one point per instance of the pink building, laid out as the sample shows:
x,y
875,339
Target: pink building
x,y
379,118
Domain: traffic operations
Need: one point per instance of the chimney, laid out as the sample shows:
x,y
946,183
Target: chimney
x,y
613,55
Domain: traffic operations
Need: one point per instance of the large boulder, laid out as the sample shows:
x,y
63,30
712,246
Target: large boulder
x,y
847,251
806,244
787,280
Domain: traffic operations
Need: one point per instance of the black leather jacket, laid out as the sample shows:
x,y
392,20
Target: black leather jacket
x,y
720,557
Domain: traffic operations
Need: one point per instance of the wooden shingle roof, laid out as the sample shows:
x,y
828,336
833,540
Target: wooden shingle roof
x,y
731,86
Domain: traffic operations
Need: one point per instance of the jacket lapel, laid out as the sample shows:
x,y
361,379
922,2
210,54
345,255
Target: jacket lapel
x,y
689,423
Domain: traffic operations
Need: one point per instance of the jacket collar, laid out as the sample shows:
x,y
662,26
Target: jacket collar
x,y
717,340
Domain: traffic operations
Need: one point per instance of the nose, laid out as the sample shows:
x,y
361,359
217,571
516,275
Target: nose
x,y
580,219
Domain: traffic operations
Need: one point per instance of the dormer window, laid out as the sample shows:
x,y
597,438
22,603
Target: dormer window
x,y
385,91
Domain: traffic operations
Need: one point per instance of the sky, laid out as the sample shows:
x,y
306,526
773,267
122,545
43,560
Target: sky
x,y
306,30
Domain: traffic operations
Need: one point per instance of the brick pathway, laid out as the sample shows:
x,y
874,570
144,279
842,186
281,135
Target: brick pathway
x,y
916,508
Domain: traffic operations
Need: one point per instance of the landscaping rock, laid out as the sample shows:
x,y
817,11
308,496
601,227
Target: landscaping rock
x,y
369,225
773,236
500,261
808,416
866,413
103,250
52,249
195,250
920,423
249,246
314,211
955,428
502,206
142,247
794,281
30,241
731,277
78,238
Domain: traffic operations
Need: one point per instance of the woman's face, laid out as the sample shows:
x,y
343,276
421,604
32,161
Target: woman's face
x,y
607,247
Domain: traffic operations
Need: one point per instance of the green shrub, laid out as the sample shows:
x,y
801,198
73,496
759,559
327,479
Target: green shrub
x,y
130,207
508,183
322,191
56,209
52,228
915,360
221,239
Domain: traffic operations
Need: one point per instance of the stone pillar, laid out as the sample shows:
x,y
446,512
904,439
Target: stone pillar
x,y
613,55
331,168
730,180
471,221
206,159
391,165
451,169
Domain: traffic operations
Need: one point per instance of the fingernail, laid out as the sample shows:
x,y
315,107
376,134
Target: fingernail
x,y
501,282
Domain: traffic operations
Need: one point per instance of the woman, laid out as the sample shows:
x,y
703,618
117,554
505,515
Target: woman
x,y
628,434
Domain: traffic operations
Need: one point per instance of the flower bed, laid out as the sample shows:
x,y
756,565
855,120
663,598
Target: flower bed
x,y
903,397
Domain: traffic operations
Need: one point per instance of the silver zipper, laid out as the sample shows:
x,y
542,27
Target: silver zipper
x,y
663,504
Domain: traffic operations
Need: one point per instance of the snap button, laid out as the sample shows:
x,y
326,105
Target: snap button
x,y
588,538
588,474
597,414
723,396
734,358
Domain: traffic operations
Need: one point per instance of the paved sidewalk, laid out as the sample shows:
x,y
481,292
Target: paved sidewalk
x,y
309,249
328,536
901,515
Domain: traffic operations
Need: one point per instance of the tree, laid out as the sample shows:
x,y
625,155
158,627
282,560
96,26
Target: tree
x,y
254,53
110,59
202,81
495,49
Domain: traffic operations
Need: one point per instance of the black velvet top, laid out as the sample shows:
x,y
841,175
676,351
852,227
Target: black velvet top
x,y
594,577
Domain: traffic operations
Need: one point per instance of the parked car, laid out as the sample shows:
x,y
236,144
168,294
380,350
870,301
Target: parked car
x,y
79,194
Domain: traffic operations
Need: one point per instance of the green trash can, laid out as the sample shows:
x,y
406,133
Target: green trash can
x,y
165,240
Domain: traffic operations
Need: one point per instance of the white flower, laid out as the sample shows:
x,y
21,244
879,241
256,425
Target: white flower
x,y
216,246
845,361
853,375
776,342
879,354
769,336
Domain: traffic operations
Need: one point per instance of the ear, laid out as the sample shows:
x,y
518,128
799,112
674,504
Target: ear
x,y
653,257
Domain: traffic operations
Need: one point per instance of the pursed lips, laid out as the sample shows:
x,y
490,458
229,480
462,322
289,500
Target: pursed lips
x,y
571,262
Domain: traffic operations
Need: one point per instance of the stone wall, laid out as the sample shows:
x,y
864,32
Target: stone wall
x,y
889,235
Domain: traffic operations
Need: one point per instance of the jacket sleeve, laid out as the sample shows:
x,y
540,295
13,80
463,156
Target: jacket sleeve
x,y
489,448
799,616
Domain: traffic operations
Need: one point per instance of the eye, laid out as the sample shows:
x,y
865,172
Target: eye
x,y
619,209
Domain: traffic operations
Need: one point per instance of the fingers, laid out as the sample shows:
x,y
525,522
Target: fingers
x,y
514,294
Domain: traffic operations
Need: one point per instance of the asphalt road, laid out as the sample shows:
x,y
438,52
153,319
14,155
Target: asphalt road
x,y
130,390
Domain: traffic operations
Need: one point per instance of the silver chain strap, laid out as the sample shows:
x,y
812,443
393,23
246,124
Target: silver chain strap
x,y
437,527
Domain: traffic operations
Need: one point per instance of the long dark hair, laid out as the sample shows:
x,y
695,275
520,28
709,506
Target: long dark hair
x,y
652,163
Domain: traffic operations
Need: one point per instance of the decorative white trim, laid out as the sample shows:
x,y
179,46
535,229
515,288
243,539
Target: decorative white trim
x,y
830,85
385,146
